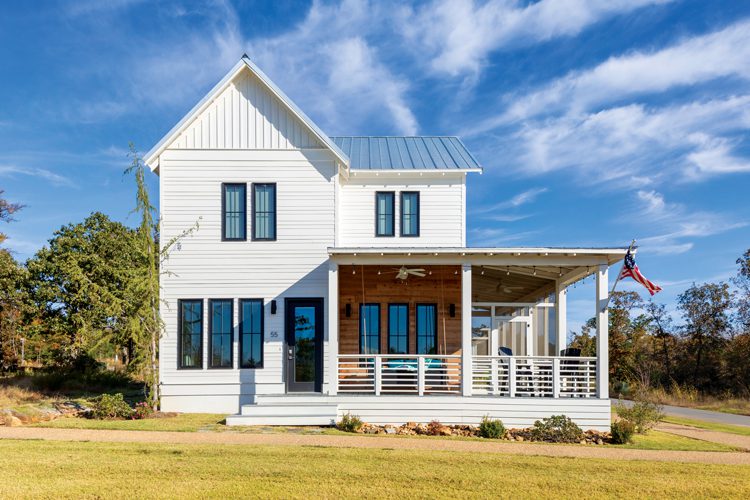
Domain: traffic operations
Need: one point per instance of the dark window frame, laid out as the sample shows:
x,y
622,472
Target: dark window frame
x,y
361,324
180,365
241,334
416,322
224,186
390,334
417,215
210,335
275,211
393,214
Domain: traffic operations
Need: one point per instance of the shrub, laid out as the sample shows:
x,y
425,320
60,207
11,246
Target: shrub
x,y
142,410
111,406
556,429
349,423
622,431
643,414
491,428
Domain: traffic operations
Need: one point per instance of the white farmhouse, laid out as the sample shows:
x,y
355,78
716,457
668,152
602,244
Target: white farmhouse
x,y
331,275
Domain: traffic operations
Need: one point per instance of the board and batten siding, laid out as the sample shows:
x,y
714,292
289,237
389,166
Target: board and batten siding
x,y
202,266
442,211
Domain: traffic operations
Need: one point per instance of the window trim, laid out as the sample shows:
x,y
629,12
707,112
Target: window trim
x,y
416,324
361,317
179,335
210,332
275,210
224,186
393,214
405,304
262,334
418,214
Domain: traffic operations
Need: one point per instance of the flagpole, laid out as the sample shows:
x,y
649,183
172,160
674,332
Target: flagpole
x,y
617,280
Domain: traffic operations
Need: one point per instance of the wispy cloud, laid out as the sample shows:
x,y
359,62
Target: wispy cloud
x,y
516,201
41,173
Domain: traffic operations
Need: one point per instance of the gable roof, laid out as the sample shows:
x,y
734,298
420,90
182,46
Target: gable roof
x,y
407,153
245,63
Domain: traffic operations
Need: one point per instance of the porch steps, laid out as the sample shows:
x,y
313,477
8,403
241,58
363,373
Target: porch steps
x,y
286,413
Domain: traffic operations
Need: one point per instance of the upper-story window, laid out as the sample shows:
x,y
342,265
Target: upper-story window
x,y
234,212
264,212
410,213
384,213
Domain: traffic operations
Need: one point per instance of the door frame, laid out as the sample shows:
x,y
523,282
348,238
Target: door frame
x,y
318,304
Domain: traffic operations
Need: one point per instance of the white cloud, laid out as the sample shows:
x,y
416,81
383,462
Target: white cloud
x,y
41,173
516,201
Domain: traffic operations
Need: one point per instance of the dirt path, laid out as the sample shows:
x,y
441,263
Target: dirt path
x,y
731,458
735,440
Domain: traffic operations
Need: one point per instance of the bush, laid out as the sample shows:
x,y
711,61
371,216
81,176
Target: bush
x,y
622,431
349,423
491,428
142,410
111,406
556,429
643,414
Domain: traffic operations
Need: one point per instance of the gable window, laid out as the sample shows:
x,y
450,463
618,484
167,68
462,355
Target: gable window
x,y
233,212
426,328
251,333
369,328
220,327
384,213
398,328
190,333
264,212
410,213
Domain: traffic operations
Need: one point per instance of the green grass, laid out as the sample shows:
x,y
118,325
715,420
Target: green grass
x,y
184,422
656,440
127,470
711,426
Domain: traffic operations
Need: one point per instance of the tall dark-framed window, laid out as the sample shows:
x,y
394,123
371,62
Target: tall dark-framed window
x,y
233,212
426,328
398,328
410,213
220,321
190,333
264,212
385,208
369,328
251,333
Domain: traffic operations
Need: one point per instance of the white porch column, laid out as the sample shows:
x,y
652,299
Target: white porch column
x,y
333,327
561,317
602,332
466,365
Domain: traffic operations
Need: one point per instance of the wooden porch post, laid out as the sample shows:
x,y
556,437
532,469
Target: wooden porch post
x,y
602,332
333,327
466,364
561,317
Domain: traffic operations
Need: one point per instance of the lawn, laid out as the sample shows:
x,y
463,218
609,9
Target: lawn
x,y
184,422
711,426
119,470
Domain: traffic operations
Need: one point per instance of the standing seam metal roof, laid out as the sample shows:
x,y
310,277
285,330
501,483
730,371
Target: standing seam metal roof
x,y
406,153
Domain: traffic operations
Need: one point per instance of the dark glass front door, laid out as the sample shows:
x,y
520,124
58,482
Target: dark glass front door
x,y
304,345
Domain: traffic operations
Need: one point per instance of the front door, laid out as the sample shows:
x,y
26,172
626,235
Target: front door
x,y
304,345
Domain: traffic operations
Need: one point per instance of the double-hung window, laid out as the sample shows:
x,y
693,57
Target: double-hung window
x,y
190,329
398,328
233,212
264,212
384,213
369,328
426,328
251,333
410,213
220,326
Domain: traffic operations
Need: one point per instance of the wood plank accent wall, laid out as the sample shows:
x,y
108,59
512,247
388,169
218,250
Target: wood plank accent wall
x,y
385,289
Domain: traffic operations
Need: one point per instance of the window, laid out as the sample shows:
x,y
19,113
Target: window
x,y
410,214
384,213
369,328
426,328
190,330
220,326
264,212
233,212
398,328
251,333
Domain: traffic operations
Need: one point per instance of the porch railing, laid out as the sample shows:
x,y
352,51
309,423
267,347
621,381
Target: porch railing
x,y
399,374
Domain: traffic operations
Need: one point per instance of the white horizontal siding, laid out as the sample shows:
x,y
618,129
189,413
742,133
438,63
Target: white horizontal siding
x,y
441,210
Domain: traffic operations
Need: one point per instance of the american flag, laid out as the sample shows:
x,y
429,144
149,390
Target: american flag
x,y
630,270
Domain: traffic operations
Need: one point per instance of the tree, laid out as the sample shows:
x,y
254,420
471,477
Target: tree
x,y
661,327
7,209
742,281
585,341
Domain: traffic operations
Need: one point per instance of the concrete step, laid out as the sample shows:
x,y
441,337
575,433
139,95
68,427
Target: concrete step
x,y
281,419
288,408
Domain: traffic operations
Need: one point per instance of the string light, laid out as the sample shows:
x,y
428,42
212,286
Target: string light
x,y
482,273
507,270
559,274
534,270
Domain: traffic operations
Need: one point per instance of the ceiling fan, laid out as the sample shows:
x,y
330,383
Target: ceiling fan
x,y
507,289
403,272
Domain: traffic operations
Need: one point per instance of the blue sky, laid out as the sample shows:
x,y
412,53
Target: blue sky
x,y
596,121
